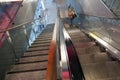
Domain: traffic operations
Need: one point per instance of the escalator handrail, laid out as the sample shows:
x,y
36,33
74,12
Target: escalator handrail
x,y
58,47
97,16
65,64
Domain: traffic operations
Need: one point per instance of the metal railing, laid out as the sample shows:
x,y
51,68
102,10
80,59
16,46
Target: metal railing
x,y
106,29
16,42
114,6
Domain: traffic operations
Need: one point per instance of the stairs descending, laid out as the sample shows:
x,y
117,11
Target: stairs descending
x,y
33,64
96,65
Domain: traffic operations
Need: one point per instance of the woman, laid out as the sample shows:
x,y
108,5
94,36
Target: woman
x,y
71,15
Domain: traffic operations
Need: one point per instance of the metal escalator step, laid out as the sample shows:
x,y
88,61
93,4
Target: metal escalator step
x,y
43,41
74,30
39,45
80,40
85,49
37,49
28,67
44,38
93,58
93,71
84,44
46,35
110,78
34,75
93,50
27,54
47,31
33,59
34,55
42,44
30,62
47,40
78,36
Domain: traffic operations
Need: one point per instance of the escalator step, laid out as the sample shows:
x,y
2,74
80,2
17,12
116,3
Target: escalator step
x,y
27,54
42,44
43,39
28,67
93,71
93,58
33,58
46,35
37,49
91,49
110,78
34,75
48,40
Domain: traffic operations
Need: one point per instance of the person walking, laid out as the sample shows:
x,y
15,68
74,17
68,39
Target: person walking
x,y
71,15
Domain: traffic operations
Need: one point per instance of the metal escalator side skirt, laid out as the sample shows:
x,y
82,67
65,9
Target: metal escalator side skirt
x,y
52,67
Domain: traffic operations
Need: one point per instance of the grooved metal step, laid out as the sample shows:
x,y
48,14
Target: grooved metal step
x,y
91,58
34,75
38,48
43,41
28,66
42,44
102,70
27,54
33,58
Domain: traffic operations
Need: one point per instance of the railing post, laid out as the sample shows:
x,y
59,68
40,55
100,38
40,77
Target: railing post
x,y
11,45
25,32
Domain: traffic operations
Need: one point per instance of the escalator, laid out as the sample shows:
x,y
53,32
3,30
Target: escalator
x,y
95,62
33,64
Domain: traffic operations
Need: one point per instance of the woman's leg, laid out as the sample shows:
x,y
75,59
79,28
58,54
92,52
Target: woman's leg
x,y
71,22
